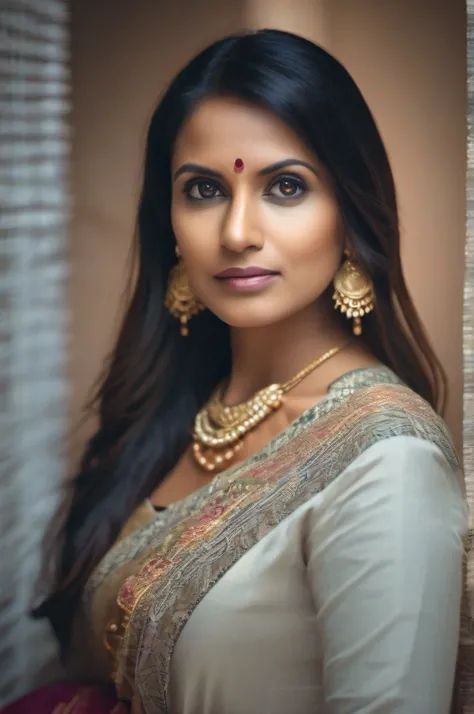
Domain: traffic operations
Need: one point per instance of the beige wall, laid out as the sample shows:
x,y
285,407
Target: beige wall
x,y
409,60
309,18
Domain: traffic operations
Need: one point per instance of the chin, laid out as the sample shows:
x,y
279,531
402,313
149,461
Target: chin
x,y
246,318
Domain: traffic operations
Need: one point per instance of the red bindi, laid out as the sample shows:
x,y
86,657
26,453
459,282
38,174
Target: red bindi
x,y
238,166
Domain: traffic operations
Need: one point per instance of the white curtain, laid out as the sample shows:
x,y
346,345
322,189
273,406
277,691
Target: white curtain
x,y
34,148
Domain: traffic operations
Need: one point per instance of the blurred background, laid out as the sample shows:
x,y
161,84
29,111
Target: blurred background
x,y
78,83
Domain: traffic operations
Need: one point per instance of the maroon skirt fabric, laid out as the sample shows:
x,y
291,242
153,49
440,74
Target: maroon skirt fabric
x,y
66,698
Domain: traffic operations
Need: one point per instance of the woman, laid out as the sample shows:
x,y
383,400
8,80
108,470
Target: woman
x,y
300,551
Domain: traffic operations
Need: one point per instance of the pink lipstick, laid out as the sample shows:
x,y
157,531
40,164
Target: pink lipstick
x,y
246,279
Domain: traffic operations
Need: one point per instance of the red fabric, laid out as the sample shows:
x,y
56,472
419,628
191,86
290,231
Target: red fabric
x,y
66,698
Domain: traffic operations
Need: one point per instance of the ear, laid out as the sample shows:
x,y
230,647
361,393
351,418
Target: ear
x,y
347,244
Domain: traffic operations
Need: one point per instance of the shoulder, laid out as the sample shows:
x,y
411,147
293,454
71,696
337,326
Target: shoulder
x,y
378,413
376,432
404,484
397,449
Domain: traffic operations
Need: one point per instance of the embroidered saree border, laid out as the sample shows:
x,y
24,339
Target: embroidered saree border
x,y
159,599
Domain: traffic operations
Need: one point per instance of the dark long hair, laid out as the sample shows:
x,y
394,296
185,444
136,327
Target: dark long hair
x,y
155,381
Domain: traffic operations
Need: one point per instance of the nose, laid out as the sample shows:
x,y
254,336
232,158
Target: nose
x,y
240,229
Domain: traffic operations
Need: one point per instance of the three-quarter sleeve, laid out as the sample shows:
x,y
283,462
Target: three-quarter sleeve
x,y
384,556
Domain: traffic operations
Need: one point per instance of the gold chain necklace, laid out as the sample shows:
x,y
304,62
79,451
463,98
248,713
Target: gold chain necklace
x,y
220,429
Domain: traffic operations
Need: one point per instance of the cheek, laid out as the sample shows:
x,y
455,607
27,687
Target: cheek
x,y
180,222
194,234
188,232
313,242
195,228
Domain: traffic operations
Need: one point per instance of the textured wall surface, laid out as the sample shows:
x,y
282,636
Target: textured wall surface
x,y
34,146
468,436
468,426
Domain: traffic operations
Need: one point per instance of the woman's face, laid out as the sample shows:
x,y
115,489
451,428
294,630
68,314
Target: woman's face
x,y
263,243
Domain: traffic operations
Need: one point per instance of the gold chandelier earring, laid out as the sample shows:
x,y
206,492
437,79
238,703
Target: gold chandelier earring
x,y
354,293
180,301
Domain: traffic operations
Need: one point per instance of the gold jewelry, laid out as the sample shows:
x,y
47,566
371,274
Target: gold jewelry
x,y
354,293
180,299
221,429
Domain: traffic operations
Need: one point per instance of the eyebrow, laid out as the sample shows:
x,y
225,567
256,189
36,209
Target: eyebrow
x,y
199,169
284,164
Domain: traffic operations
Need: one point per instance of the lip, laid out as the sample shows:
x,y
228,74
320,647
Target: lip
x,y
248,283
252,271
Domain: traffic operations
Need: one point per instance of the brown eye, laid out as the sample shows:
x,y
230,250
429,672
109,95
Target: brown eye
x,y
206,190
287,187
199,190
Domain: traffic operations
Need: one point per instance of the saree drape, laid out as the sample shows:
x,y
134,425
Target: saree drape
x,y
163,571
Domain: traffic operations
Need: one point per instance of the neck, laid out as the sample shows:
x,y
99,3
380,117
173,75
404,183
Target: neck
x,y
276,352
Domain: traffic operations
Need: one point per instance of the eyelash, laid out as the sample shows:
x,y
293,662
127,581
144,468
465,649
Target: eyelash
x,y
299,183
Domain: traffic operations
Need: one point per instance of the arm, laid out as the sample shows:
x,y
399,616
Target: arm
x,y
385,565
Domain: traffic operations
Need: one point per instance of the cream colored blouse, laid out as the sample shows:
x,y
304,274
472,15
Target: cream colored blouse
x,y
349,606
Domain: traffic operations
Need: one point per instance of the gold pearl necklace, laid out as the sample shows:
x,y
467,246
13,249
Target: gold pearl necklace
x,y
220,429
